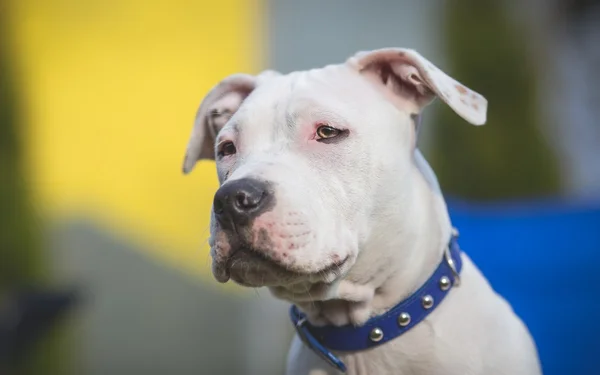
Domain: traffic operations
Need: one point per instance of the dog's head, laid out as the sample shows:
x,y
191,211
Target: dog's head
x,y
305,160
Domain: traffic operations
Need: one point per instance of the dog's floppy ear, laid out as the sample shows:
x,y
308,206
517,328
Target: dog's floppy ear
x,y
216,109
407,76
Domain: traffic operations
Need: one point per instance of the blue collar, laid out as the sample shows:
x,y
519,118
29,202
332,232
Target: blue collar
x,y
383,328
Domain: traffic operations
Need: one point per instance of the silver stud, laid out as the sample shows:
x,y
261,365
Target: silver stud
x,y
445,283
427,301
376,335
403,319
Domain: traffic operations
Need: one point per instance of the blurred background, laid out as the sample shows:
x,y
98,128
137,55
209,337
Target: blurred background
x,y
104,267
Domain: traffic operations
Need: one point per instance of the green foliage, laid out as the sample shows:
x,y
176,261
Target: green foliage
x,y
21,254
508,157
19,233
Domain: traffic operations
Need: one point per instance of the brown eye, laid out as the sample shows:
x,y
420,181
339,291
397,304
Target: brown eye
x,y
326,132
227,148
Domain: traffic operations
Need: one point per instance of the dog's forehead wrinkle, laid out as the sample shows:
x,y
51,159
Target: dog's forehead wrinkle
x,y
290,119
276,113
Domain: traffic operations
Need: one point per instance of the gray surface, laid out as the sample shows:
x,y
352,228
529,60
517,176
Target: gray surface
x,y
313,33
568,52
141,317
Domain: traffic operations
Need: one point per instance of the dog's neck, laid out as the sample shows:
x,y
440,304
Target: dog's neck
x,y
413,245
416,242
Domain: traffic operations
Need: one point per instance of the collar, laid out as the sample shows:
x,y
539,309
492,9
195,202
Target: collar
x,y
383,328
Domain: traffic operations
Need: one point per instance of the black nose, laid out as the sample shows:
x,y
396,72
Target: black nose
x,y
239,201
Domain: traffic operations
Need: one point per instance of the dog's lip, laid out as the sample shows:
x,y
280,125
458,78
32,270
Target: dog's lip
x,y
252,254
220,272
333,267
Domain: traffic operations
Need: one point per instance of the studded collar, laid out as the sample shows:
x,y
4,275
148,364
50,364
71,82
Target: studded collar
x,y
383,328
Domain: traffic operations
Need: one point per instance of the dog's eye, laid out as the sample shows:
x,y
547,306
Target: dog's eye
x,y
326,132
227,148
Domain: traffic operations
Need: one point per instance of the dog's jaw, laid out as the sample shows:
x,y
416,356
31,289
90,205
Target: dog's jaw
x,y
337,303
393,263
258,264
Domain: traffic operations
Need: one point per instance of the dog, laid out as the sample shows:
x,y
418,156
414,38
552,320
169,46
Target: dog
x,y
325,199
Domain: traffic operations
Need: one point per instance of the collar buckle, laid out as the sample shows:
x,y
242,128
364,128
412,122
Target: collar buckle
x,y
300,324
449,261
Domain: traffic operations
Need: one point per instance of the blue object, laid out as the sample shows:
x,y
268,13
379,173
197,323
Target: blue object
x,y
350,338
550,251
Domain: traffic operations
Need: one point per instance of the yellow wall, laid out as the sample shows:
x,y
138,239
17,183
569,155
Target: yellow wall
x,y
111,89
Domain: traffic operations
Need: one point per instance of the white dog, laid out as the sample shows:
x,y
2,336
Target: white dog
x,y
326,200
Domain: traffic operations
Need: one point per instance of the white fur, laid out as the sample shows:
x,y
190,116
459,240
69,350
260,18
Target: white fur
x,y
370,200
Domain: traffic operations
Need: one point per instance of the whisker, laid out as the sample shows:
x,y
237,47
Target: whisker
x,y
312,301
322,274
234,227
206,229
339,269
205,241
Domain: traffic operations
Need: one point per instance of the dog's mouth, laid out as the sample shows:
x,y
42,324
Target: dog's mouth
x,y
250,267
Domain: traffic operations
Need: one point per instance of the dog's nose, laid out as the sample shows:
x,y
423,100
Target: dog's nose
x,y
239,201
